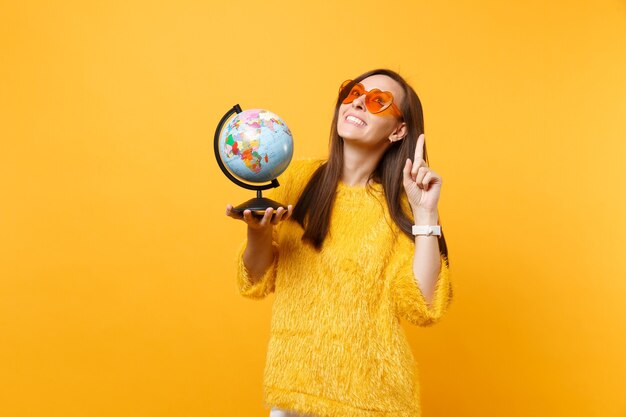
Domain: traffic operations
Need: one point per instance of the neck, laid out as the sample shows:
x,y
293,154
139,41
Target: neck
x,y
359,162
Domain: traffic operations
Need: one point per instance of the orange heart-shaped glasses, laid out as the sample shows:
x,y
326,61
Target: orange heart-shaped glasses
x,y
376,101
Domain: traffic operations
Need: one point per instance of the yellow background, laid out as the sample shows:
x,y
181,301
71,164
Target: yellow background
x,y
117,288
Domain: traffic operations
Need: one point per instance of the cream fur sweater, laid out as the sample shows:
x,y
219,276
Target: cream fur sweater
x,y
336,347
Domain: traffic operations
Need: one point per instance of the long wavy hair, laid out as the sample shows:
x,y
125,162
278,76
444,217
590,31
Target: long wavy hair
x,y
315,205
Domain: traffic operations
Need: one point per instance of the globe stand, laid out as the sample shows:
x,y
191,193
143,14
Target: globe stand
x,y
256,205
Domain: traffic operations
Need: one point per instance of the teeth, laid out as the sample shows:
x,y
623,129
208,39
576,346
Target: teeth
x,y
355,120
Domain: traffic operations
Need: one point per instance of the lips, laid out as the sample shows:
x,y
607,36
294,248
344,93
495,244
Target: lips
x,y
357,121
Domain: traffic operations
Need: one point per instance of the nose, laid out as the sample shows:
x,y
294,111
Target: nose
x,y
359,102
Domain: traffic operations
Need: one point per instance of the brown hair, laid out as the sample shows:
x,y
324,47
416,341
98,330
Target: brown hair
x,y
316,201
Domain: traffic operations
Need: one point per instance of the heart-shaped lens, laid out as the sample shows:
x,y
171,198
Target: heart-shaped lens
x,y
377,101
356,91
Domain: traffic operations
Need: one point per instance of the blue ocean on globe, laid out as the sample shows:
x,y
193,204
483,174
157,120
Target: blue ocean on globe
x,y
256,145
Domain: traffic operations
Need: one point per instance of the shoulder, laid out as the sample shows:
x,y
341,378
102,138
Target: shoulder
x,y
299,172
302,168
297,175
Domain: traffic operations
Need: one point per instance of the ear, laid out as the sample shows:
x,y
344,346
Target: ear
x,y
399,132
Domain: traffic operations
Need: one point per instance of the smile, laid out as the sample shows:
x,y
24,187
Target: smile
x,y
355,121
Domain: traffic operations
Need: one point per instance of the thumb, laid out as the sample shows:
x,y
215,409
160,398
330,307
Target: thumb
x,y
406,172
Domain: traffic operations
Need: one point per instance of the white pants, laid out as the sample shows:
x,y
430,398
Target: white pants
x,y
277,412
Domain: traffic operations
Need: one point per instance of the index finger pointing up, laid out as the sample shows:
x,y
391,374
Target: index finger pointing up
x,y
419,149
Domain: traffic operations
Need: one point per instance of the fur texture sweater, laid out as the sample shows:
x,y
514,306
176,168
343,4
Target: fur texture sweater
x,y
336,346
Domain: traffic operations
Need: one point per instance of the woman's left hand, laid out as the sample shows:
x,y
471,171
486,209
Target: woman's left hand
x,y
422,184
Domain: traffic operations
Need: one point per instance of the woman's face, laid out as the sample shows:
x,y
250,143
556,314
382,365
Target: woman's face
x,y
356,123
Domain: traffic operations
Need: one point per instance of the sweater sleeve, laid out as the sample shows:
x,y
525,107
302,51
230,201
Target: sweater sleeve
x,y
407,296
265,285
291,184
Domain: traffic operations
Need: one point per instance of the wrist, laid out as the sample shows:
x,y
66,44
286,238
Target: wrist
x,y
425,217
260,233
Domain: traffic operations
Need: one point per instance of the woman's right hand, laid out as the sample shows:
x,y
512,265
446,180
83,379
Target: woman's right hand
x,y
266,222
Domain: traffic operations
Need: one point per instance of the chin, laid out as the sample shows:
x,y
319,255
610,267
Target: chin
x,y
351,137
350,134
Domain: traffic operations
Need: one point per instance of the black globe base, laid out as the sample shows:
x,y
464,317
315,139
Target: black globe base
x,y
258,206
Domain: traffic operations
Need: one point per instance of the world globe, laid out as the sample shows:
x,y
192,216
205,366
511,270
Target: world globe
x,y
256,145
252,148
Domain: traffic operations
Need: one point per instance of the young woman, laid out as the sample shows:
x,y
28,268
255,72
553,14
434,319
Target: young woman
x,y
345,261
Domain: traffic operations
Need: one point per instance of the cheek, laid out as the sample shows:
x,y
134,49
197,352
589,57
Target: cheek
x,y
383,126
386,114
340,115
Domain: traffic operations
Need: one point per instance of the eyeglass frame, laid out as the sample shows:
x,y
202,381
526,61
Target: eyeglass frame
x,y
392,104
